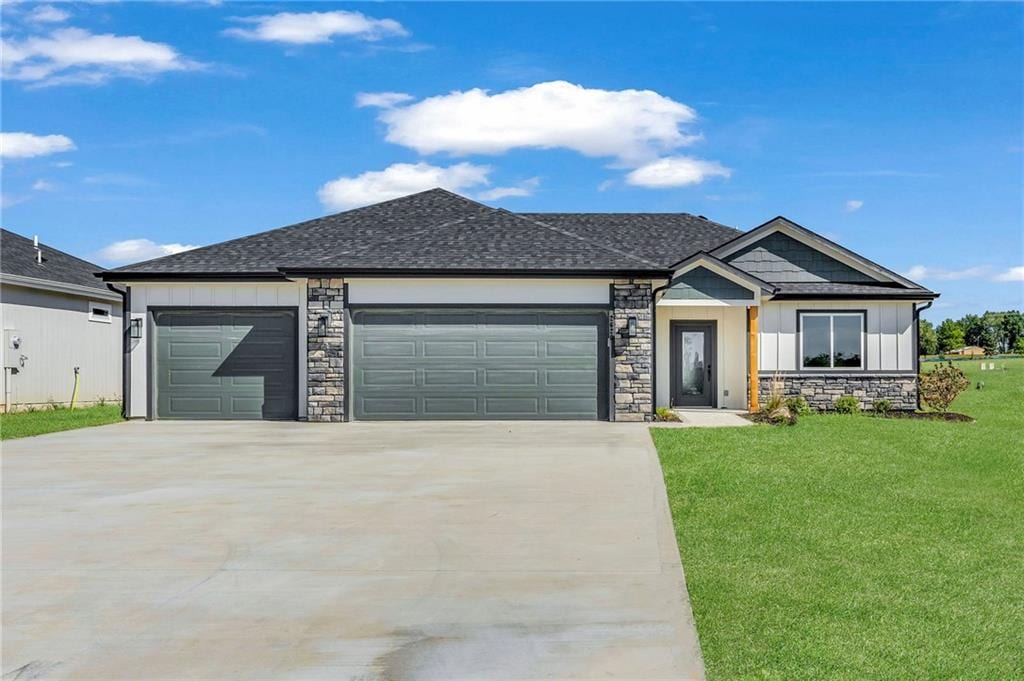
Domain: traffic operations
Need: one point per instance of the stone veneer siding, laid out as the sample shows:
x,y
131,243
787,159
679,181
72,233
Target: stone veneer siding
x,y
822,391
325,355
631,357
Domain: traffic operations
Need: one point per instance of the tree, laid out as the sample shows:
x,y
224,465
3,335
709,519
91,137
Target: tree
x,y
1018,347
950,336
927,339
973,326
940,386
1011,329
989,340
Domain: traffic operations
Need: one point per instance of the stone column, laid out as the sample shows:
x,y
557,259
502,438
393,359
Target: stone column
x,y
325,352
632,358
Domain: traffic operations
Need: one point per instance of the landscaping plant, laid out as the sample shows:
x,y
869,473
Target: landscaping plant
x,y
883,406
940,386
798,405
848,404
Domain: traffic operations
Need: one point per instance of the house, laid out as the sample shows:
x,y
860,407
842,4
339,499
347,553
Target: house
x,y
61,326
968,351
433,306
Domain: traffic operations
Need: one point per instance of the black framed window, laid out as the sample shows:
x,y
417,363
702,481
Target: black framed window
x,y
831,340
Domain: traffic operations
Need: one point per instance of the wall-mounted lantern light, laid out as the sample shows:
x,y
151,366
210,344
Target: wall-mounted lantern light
x,y
629,331
321,326
135,329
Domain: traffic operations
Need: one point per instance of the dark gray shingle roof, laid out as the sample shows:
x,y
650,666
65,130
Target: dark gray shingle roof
x,y
840,290
18,258
664,238
439,230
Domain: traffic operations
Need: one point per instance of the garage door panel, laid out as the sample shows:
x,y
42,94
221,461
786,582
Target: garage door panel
x,y
478,364
226,363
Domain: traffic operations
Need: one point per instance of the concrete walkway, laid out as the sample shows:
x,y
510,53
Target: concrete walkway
x,y
706,418
342,551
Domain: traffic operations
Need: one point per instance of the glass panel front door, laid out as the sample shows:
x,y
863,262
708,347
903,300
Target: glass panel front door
x,y
691,359
692,365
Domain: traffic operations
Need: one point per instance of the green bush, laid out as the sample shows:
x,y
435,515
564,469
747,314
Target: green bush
x,y
940,386
848,404
883,406
665,414
798,405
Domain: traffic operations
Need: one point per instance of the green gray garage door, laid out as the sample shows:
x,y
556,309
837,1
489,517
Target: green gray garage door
x,y
225,364
479,364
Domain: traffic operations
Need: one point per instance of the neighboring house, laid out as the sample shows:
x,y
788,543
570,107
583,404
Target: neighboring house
x,y
433,306
968,350
58,319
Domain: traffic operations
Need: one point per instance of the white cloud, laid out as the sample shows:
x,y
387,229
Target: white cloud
x,y
296,28
1012,274
398,180
383,100
74,55
631,126
605,185
853,205
675,171
920,273
524,188
135,250
27,145
43,186
47,14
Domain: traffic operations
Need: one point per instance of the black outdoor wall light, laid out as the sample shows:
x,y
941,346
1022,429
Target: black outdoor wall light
x,y
629,331
135,329
321,326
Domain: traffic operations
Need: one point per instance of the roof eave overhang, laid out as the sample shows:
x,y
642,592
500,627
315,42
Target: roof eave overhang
x,y
468,272
116,276
910,296
703,258
58,287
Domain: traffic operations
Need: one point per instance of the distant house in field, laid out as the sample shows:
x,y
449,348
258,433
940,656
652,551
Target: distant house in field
x,y
968,350
58,319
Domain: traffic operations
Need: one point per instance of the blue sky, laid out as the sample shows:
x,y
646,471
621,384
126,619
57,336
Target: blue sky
x,y
895,129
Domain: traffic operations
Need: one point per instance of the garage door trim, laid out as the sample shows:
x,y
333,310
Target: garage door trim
x,y
605,364
151,341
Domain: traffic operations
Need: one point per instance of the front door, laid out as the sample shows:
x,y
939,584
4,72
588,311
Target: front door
x,y
693,364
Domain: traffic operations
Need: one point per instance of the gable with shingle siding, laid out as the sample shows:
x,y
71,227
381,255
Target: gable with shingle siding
x,y
779,258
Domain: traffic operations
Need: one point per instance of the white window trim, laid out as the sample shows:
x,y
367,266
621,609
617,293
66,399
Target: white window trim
x,y
103,319
832,340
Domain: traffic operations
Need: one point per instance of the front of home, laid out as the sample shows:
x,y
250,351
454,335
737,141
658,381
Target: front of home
x,y
433,306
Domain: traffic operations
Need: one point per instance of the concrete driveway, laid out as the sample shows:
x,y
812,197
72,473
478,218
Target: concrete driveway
x,y
175,550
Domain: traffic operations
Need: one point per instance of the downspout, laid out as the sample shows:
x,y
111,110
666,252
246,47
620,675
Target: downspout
x,y
654,346
126,347
917,344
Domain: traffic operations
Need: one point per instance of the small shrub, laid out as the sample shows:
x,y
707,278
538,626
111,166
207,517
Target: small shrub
x,y
798,406
940,386
102,402
774,408
883,406
848,404
665,414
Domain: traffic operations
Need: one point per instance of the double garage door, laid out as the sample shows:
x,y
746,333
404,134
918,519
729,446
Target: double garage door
x,y
479,364
424,363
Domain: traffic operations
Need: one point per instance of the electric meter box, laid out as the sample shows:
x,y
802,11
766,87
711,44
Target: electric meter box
x,y
14,345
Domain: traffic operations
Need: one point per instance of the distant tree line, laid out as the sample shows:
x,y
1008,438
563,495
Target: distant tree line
x,y
996,332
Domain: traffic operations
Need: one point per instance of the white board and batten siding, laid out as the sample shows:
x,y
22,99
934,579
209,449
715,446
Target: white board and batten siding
x,y
205,294
888,338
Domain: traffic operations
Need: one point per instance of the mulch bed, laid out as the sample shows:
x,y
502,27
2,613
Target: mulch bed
x,y
916,415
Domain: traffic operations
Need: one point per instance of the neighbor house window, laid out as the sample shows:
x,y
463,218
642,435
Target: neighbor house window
x,y
831,340
99,312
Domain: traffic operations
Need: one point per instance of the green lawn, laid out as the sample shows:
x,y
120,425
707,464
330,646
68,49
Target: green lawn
x,y
26,423
858,547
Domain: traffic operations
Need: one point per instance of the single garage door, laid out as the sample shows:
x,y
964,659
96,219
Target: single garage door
x,y
479,364
226,364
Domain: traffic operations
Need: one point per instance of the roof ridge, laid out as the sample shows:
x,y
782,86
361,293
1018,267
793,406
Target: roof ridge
x,y
560,230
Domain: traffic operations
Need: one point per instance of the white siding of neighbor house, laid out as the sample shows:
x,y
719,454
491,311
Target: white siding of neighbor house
x,y
731,351
204,294
57,336
478,291
889,333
